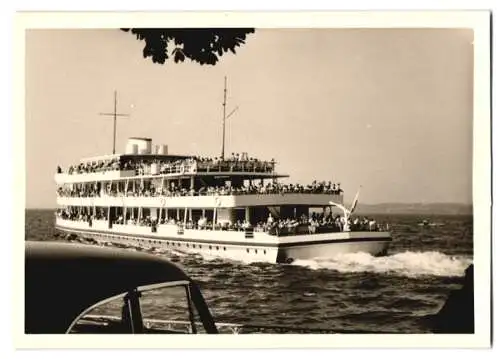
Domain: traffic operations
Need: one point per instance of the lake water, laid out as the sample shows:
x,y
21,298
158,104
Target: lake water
x,y
354,292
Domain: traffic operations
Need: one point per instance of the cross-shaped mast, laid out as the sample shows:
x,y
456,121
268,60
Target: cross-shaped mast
x,y
115,115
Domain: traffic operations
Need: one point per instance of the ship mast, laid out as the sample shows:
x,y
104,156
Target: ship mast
x,y
224,117
115,115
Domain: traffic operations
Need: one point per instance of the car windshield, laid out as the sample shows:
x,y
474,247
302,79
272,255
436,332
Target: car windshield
x,y
163,308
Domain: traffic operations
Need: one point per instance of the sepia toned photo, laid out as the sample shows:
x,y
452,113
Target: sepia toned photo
x,y
255,180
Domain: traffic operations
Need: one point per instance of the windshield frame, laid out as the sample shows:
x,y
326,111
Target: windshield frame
x,y
137,292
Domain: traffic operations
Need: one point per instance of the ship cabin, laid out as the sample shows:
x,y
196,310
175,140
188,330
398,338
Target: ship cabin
x,y
147,188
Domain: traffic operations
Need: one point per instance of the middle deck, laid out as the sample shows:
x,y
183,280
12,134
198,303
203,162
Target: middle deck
x,y
204,201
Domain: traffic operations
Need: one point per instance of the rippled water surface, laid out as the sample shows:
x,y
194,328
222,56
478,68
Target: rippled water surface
x,y
351,292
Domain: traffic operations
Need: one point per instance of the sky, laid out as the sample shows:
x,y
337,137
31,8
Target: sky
x,y
388,109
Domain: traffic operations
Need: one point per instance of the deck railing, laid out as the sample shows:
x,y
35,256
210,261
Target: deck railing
x,y
247,232
181,168
208,192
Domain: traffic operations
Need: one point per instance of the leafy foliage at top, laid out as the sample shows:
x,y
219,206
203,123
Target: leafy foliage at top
x,y
204,46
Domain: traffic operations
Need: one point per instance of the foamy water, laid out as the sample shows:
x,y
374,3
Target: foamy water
x,y
409,264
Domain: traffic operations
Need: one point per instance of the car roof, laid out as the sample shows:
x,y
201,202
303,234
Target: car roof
x,y
63,279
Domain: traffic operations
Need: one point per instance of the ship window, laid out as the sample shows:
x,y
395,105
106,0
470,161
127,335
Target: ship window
x,y
217,247
224,248
200,245
255,251
264,251
209,247
248,250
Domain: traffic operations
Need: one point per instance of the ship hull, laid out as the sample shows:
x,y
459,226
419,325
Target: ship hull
x,y
329,250
253,247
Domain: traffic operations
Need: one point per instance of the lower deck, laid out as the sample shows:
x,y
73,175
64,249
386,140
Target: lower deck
x,y
247,246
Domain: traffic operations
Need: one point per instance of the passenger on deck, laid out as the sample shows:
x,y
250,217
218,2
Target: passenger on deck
x,y
372,224
246,225
202,223
313,225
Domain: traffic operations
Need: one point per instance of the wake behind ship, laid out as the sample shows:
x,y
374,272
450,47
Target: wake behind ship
x,y
233,207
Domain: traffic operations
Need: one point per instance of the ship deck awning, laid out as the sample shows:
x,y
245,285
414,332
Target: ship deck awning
x,y
134,157
218,175
245,175
113,176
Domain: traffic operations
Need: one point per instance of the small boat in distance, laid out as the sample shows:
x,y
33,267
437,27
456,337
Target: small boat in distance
x,y
228,206
427,223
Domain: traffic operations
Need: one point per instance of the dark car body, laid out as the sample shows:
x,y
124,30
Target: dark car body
x,y
63,281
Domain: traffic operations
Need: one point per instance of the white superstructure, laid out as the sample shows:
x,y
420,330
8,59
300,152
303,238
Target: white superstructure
x,y
232,207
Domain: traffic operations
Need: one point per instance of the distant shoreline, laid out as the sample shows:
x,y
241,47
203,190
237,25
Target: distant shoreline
x,y
417,208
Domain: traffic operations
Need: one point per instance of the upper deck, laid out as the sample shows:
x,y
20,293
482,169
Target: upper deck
x,y
123,167
139,161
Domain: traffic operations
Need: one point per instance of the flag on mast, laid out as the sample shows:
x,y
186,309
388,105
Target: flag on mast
x,y
355,202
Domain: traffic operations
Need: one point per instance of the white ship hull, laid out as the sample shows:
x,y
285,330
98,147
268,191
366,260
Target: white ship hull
x,y
308,251
249,247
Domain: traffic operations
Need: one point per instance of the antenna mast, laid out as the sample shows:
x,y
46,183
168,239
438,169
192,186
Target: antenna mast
x,y
224,116
115,115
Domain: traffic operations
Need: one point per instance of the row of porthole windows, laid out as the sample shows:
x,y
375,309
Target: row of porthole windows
x,y
188,245
256,251
193,245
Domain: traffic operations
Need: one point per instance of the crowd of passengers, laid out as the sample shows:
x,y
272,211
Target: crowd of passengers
x,y
237,162
75,216
315,223
151,191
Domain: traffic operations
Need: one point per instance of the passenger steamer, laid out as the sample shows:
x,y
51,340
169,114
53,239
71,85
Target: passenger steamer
x,y
229,208
232,207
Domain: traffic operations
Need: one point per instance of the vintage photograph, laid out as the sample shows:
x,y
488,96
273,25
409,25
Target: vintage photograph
x,y
250,180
